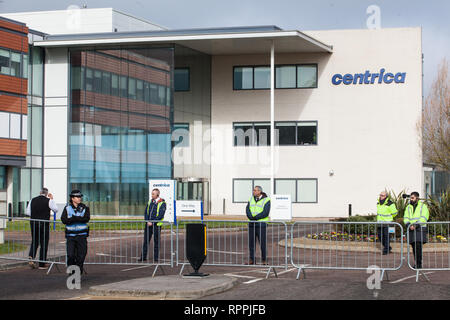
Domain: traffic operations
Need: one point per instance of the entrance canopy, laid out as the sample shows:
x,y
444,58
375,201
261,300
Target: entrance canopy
x,y
218,41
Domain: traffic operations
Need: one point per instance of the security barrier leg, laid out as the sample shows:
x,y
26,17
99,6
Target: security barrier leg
x,y
298,273
274,271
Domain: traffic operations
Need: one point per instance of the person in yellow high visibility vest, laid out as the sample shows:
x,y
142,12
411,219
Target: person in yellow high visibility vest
x,y
386,211
154,211
415,219
258,209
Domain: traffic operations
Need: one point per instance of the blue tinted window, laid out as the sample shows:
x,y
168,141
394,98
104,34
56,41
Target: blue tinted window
x,y
182,81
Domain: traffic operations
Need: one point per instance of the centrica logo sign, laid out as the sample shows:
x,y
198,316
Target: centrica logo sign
x,y
369,78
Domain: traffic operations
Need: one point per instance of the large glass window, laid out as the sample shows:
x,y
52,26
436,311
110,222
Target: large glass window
x,y
262,77
181,77
89,79
307,133
244,134
285,77
36,130
4,61
106,83
243,188
114,84
15,64
2,177
301,190
97,81
132,88
123,87
14,130
286,133
140,90
307,76
38,72
243,78
4,128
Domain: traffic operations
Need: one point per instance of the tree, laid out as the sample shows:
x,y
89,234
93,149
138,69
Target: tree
x,y
435,128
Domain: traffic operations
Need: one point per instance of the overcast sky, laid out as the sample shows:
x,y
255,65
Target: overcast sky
x,y
431,15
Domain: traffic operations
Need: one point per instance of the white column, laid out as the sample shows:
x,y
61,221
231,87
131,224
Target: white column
x,y
272,116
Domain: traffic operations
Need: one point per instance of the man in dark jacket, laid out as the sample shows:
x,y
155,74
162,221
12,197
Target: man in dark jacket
x,y
154,211
76,216
258,209
39,211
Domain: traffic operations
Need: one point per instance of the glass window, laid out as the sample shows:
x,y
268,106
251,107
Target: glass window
x,y
307,133
286,186
146,92
242,190
38,71
285,77
168,95
15,128
285,133
307,76
123,87
264,184
4,128
140,90
131,88
162,95
153,93
24,127
181,79
97,81
36,181
15,64
243,78
89,79
25,65
262,77
29,129
244,134
106,83
307,190
76,78
114,84
36,131
180,134
4,61
3,177
262,131
25,186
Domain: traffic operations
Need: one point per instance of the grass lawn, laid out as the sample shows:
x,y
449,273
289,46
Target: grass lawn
x,y
10,247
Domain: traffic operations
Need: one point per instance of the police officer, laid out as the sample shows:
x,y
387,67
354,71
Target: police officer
x,y
154,211
415,219
258,209
76,216
386,211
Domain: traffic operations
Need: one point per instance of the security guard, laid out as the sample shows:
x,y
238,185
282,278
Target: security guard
x,y
415,219
258,209
76,216
154,211
386,211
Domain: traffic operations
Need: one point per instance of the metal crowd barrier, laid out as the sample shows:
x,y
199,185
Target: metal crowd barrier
x,y
120,242
345,246
111,242
25,238
429,248
228,244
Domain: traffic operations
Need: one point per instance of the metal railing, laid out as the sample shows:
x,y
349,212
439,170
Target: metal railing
x,y
228,244
429,247
346,246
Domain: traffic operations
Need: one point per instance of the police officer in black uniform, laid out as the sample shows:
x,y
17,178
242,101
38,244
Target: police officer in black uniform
x,y
76,216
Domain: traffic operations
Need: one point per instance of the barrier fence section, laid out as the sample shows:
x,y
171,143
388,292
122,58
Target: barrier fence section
x,y
229,244
110,242
346,246
429,247
42,240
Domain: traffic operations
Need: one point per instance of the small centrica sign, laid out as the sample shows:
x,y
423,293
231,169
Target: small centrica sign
x,y
281,207
167,192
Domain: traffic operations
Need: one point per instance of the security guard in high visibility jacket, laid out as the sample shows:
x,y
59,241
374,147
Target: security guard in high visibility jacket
x,y
154,211
415,219
258,209
76,216
386,211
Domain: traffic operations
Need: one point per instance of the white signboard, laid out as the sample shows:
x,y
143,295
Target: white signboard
x,y
188,209
280,207
167,192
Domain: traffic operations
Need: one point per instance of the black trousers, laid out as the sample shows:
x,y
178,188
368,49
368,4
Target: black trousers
x,y
40,231
257,231
76,251
417,250
150,231
383,236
